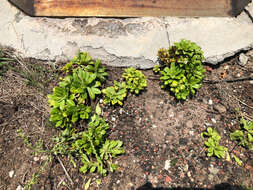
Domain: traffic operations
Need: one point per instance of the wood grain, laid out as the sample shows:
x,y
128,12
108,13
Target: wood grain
x,y
128,8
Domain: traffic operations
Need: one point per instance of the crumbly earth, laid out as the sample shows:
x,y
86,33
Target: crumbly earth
x,y
164,149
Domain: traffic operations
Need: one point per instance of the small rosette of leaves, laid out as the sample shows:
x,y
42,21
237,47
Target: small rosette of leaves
x,y
136,80
115,94
213,144
244,135
181,68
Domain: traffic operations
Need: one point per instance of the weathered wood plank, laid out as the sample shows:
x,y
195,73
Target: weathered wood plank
x,y
131,8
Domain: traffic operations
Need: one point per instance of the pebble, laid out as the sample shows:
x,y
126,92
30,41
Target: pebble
x,y
243,59
118,182
36,159
120,111
20,188
11,173
113,119
189,174
191,133
210,102
167,164
226,67
251,81
213,170
186,167
154,126
213,120
220,108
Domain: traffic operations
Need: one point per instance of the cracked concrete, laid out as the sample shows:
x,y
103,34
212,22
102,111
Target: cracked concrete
x,y
121,42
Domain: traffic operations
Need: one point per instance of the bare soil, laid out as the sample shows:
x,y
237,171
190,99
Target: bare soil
x,y
155,128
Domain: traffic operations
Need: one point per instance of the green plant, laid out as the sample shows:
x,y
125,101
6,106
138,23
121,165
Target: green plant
x,y
244,135
85,61
69,100
136,80
181,68
213,143
115,94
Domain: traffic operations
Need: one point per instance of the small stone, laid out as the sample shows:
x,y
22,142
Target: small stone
x,y
113,119
154,126
168,179
220,108
243,59
44,158
210,102
11,173
226,67
213,120
19,188
120,111
251,81
167,164
186,167
213,170
189,174
36,159
191,133
118,182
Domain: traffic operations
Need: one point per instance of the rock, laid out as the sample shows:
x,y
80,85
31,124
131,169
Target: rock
x,y
167,165
213,170
20,188
243,59
210,102
213,120
220,108
11,173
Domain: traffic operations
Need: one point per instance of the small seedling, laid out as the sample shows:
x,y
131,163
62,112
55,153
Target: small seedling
x,y
214,148
244,135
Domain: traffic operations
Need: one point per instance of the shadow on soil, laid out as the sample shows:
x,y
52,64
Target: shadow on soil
x,y
222,186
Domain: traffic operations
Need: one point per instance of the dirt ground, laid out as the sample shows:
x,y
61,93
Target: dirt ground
x,y
156,131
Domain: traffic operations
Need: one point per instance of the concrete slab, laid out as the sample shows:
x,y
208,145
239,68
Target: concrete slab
x,y
119,42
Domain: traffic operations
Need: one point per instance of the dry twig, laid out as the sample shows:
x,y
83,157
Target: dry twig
x,y
63,167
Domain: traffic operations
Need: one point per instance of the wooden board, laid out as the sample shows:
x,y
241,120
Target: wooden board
x,y
131,8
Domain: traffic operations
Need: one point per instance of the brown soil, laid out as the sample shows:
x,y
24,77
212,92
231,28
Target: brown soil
x,y
155,129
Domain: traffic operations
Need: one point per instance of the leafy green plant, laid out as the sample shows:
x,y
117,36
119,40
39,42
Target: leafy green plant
x,y
69,100
244,135
115,94
85,61
181,68
213,143
136,80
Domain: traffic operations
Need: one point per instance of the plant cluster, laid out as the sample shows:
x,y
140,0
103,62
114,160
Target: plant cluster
x,y
213,143
71,102
135,82
115,94
244,135
181,68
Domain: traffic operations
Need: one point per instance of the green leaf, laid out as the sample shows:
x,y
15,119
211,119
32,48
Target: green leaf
x,y
98,110
237,160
